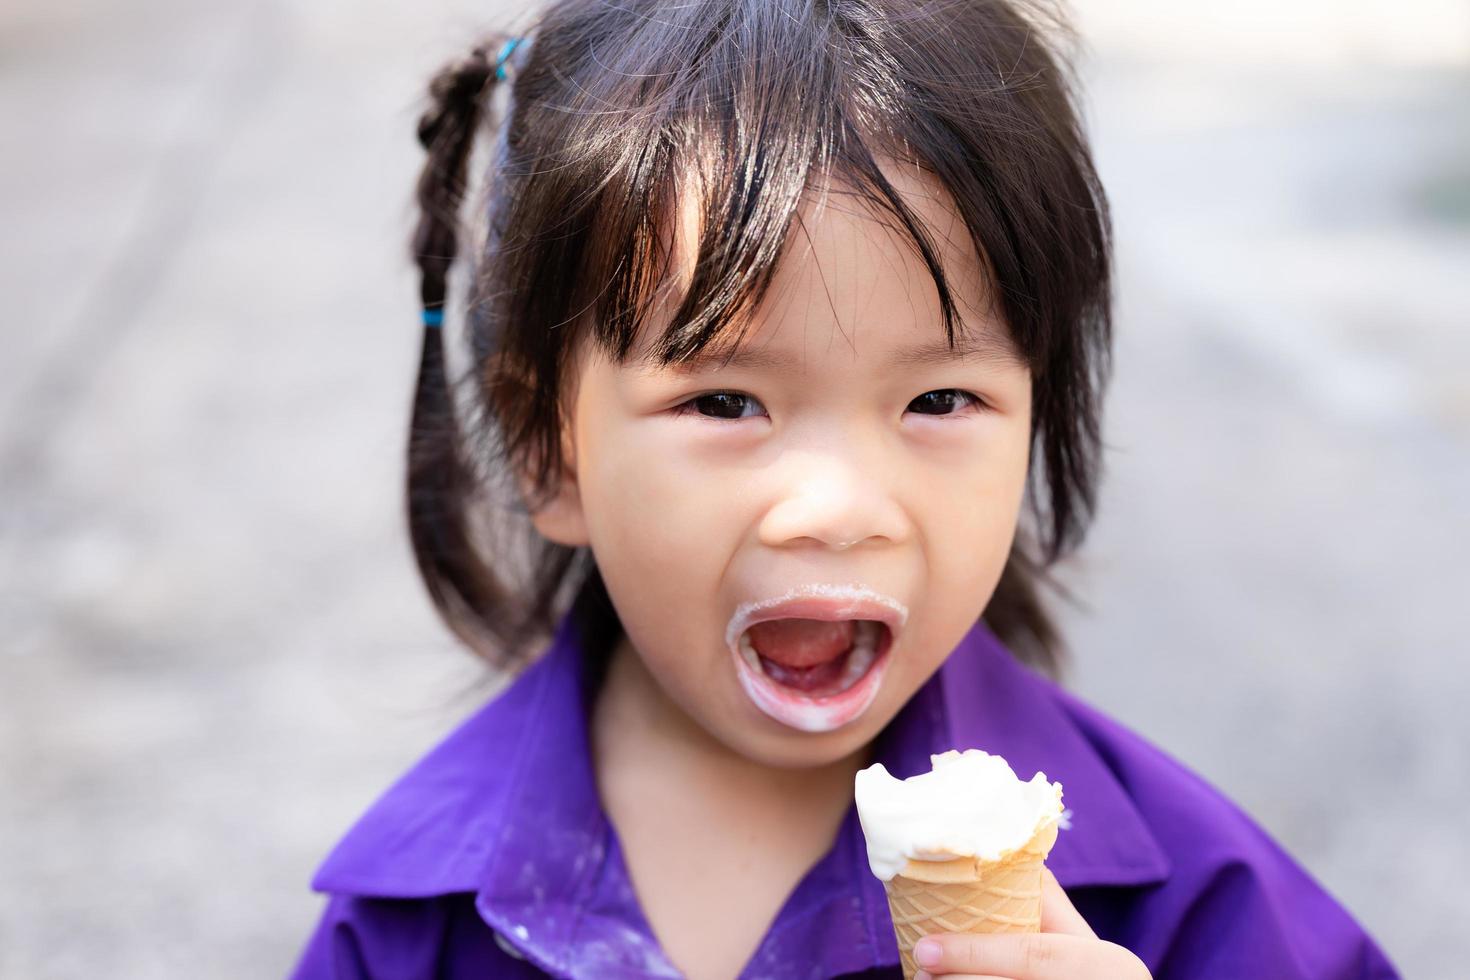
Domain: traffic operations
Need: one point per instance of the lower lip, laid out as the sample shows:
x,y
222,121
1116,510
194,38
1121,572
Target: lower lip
x,y
808,714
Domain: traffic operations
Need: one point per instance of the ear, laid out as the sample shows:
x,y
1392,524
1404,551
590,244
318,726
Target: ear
x,y
560,517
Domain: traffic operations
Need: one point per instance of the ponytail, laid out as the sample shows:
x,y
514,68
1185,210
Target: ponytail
x,y
440,481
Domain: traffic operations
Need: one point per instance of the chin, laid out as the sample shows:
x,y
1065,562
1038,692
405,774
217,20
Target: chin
x,y
788,748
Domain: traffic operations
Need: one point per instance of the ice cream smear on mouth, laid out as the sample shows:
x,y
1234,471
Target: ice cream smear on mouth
x,y
814,658
969,805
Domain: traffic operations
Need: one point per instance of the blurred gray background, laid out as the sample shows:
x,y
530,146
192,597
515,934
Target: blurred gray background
x,y
216,652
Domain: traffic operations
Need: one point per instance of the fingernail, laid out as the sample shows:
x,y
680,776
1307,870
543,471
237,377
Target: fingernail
x,y
927,952
923,975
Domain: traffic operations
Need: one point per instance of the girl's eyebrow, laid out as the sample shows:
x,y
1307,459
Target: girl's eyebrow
x,y
983,348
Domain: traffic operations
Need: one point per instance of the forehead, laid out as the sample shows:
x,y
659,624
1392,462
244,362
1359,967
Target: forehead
x,y
850,278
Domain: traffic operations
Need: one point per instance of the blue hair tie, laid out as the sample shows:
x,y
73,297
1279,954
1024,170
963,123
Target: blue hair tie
x,y
505,50
433,318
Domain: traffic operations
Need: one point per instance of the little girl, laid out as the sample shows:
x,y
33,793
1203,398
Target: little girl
x,y
786,336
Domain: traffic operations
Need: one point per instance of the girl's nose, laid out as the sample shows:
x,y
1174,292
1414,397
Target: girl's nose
x,y
837,504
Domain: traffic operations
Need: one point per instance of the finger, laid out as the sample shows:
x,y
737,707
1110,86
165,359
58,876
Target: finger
x,y
1058,914
1033,956
926,975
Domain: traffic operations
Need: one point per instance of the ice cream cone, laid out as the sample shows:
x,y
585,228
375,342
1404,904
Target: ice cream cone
x,y
969,895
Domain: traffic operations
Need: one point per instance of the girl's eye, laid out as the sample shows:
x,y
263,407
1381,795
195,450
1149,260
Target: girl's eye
x,y
940,401
722,405
731,406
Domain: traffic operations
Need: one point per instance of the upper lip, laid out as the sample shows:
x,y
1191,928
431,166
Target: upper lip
x,y
833,603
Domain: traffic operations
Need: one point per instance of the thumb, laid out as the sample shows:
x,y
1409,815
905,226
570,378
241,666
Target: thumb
x,y
1058,914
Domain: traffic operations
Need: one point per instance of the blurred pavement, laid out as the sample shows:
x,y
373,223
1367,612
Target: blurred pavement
x,y
217,652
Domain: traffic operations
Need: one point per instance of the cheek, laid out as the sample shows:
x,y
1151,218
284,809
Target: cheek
x,y
661,539
971,502
645,498
969,525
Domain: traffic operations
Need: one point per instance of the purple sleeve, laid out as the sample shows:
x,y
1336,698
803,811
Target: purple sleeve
x,y
361,938
1269,918
1235,904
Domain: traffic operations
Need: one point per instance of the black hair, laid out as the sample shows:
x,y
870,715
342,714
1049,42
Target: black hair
x,y
610,104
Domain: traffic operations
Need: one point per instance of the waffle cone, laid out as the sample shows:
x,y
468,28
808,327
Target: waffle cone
x,y
969,895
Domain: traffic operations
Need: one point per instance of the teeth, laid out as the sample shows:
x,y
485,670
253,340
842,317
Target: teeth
x,y
864,651
748,652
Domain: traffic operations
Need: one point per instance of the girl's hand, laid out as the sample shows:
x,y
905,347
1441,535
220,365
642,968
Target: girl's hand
x,y
1065,948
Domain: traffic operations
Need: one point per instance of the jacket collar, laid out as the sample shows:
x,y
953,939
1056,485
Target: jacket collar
x,y
506,807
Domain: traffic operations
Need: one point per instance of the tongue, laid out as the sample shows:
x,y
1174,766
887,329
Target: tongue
x,y
802,643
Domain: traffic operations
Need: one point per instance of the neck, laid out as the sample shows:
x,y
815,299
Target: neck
x,y
635,722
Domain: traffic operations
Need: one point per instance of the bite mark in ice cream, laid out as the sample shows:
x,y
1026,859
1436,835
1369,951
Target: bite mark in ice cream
x,y
971,804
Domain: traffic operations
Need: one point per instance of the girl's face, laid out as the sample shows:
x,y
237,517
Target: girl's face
x,y
851,450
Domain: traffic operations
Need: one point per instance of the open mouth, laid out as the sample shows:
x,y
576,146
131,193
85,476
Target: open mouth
x,y
812,656
814,675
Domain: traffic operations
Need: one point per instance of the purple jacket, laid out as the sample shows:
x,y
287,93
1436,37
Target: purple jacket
x,y
492,857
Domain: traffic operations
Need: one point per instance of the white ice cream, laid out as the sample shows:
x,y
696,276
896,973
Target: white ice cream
x,y
970,805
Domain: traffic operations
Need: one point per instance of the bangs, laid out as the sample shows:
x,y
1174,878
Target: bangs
x,y
723,178
702,283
